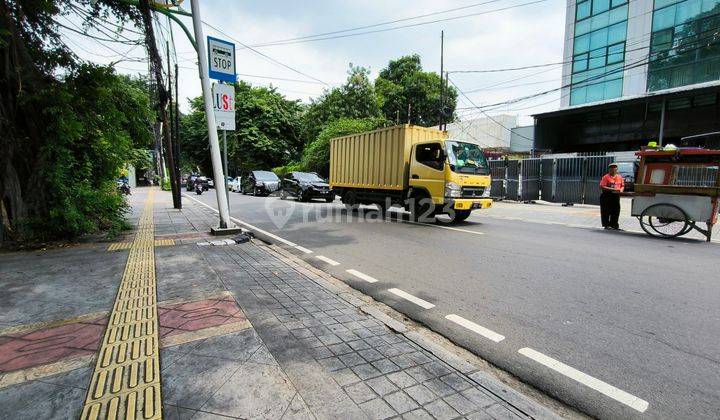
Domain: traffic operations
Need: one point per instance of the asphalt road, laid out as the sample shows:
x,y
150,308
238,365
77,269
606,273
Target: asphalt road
x,y
634,321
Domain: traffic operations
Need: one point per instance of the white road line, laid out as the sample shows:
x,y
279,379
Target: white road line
x,y
479,329
255,228
327,260
416,300
362,276
399,219
585,379
303,249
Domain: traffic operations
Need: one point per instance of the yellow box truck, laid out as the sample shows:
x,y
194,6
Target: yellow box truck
x,y
414,167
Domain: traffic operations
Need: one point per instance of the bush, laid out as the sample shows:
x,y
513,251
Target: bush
x,y
166,185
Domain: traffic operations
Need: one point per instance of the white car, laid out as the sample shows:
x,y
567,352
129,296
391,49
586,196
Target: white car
x,y
234,185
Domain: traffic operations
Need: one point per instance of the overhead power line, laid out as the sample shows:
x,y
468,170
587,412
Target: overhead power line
x,y
399,27
375,25
267,57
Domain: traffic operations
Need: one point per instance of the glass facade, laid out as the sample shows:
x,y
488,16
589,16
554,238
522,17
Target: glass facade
x,y
598,50
685,43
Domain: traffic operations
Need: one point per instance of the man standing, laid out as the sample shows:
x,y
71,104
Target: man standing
x,y
611,184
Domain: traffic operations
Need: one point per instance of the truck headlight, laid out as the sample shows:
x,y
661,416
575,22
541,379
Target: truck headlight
x,y
452,190
486,192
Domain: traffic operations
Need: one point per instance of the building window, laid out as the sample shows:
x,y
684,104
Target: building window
x,y
684,44
599,50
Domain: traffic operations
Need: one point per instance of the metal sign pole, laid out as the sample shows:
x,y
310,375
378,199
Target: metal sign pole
x,y
210,115
225,166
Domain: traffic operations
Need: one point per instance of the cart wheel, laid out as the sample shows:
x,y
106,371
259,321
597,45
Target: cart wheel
x,y
666,220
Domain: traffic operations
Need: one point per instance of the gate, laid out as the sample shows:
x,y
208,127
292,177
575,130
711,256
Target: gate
x,y
568,180
497,172
595,168
512,180
530,179
547,179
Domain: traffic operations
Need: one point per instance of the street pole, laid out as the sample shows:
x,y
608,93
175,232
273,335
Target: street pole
x,y
442,69
210,115
447,76
225,166
661,135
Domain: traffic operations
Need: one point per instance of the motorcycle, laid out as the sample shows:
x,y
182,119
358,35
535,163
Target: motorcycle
x,y
123,187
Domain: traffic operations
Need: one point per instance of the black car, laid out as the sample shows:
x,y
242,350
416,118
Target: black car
x,y
305,186
628,170
259,183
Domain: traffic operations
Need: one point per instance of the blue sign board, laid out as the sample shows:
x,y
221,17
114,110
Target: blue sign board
x,y
221,60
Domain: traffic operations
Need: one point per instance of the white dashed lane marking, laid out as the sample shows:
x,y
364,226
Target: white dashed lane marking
x,y
478,329
416,300
362,276
327,260
587,380
303,249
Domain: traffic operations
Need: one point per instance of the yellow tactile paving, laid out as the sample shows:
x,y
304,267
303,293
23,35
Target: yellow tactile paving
x,y
164,242
119,245
126,380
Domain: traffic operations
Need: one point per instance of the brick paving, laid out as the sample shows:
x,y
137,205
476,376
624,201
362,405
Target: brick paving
x,y
308,350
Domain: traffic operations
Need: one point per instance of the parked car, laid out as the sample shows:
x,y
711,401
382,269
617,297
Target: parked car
x,y
305,186
628,170
210,183
259,183
234,184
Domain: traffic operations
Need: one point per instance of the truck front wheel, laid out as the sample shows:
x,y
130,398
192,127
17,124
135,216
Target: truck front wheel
x,y
460,216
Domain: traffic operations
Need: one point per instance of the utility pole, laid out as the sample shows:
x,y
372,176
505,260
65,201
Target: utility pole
x,y
409,109
225,223
163,96
442,89
177,127
661,135
447,76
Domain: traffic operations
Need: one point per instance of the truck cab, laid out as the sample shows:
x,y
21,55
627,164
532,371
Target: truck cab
x,y
447,177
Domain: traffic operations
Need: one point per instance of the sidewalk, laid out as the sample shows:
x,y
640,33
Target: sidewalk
x,y
243,331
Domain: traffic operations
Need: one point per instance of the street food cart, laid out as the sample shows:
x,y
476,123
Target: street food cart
x,y
675,190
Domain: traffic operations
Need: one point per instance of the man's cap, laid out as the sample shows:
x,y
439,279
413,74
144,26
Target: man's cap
x,y
613,164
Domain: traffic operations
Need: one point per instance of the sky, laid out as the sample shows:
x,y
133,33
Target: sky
x,y
521,35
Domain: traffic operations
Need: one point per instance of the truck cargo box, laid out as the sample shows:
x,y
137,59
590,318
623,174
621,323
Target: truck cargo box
x,y
376,159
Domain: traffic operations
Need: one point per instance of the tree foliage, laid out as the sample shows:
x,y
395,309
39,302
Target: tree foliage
x,y
267,131
355,99
65,138
403,83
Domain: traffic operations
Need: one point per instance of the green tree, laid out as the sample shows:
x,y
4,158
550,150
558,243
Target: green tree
x,y
316,156
267,131
403,83
355,99
64,138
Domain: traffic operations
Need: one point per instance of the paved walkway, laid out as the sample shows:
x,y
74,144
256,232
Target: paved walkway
x,y
243,331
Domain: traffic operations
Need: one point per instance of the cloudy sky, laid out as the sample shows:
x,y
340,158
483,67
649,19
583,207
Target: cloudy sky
x,y
482,37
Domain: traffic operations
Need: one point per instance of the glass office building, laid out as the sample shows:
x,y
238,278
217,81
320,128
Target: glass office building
x,y
621,48
684,44
598,50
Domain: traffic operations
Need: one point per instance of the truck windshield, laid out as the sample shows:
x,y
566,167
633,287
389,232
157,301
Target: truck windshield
x,y
466,158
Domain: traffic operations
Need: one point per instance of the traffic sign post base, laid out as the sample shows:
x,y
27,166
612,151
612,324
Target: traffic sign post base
x,y
218,231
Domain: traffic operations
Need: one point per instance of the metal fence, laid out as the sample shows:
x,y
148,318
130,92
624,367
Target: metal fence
x,y
560,180
512,180
497,172
595,168
530,179
547,179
